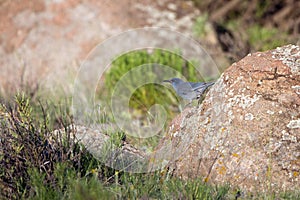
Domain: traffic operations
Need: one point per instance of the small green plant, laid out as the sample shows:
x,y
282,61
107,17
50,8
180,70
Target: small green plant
x,y
262,38
90,188
29,147
160,185
262,8
199,25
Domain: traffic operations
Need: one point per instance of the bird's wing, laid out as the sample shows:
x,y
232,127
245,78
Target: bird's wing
x,y
201,85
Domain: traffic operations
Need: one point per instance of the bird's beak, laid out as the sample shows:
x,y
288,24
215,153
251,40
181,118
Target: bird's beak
x,y
168,81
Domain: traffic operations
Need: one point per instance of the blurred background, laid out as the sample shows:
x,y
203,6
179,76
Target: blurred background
x,y
43,42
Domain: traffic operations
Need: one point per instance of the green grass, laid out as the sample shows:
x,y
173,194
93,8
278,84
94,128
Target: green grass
x,y
199,26
36,165
148,94
260,38
263,39
32,167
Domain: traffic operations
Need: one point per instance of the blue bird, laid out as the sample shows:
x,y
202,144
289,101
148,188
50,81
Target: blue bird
x,y
189,90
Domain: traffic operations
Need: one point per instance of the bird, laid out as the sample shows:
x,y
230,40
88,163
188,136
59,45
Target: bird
x,y
189,90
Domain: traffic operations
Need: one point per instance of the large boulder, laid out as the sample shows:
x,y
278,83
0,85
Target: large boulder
x,y
247,130
245,133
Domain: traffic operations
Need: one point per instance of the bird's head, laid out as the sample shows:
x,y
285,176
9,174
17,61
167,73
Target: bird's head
x,y
174,81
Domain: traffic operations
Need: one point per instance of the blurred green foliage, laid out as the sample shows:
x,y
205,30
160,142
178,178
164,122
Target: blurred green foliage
x,y
149,94
150,61
199,27
262,38
241,27
261,8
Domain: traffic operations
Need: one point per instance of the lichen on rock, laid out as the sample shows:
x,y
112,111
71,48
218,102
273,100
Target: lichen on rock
x,y
247,130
